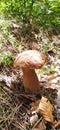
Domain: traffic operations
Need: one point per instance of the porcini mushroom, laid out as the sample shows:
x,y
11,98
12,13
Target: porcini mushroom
x,y
29,61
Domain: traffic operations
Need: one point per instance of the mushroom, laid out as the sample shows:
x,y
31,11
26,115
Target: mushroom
x,y
28,61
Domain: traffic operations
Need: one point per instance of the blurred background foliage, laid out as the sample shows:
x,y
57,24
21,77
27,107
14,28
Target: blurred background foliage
x,y
44,13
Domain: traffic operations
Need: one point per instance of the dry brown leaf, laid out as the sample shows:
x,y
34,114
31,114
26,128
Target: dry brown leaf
x,y
45,109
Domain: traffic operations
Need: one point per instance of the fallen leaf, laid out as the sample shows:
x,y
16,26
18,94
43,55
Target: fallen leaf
x,y
45,109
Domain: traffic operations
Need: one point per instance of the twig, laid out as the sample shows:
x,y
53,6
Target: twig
x,y
25,95
19,125
37,123
57,124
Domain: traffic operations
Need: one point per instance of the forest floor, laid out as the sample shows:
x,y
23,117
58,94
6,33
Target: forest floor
x,y
15,104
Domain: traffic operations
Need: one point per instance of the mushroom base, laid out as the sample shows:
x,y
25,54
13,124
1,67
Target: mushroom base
x,y
30,80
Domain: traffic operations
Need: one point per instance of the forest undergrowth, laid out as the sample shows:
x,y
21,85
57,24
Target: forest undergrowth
x,y
15,105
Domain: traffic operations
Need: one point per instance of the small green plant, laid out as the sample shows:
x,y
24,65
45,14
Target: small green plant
x,y
12,40
6,58
47,69
4,27
5,30
47,47
1,40
45,13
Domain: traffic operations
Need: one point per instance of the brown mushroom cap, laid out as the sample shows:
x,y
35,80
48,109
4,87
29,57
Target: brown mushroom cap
x,y
31,59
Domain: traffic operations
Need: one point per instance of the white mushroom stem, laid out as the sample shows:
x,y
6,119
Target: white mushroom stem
x,y
30,80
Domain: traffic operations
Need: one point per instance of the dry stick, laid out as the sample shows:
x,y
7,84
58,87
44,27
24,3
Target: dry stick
x,y
53,77
27,96
57,124
37,123
20,126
